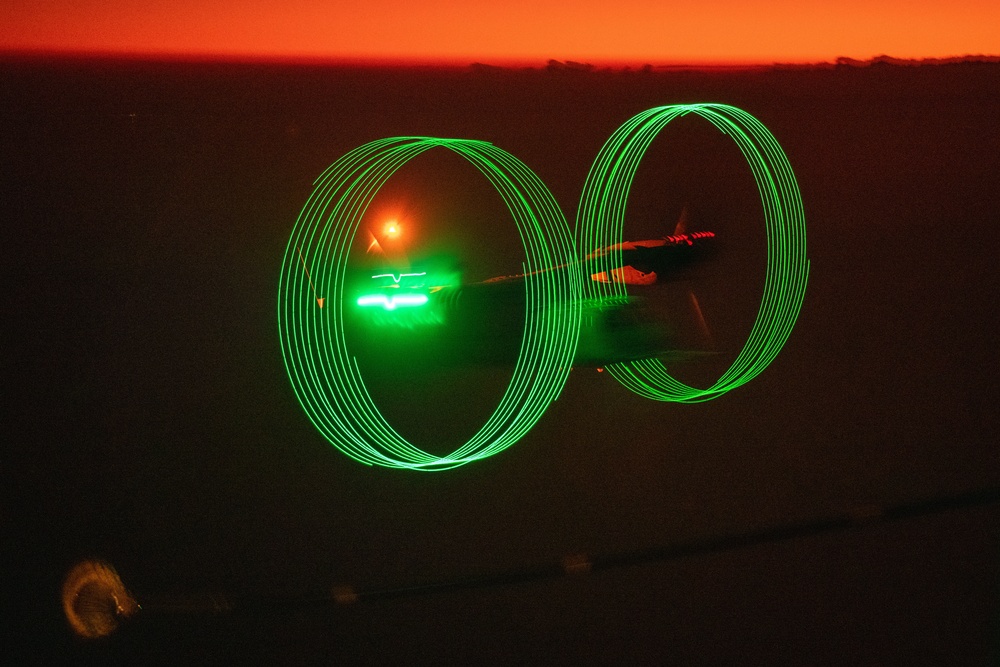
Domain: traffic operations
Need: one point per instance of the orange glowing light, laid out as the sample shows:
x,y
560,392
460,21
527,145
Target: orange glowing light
x,y
392,229
95,600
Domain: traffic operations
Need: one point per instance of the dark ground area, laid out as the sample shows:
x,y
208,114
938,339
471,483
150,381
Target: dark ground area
x,y
148,420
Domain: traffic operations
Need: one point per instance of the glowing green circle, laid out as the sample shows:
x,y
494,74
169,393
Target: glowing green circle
x,y
325,375
600,220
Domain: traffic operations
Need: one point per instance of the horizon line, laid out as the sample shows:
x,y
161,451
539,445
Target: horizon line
x,y
464,63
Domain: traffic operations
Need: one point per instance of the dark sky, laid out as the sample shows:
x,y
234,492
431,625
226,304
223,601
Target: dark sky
x,y
149,421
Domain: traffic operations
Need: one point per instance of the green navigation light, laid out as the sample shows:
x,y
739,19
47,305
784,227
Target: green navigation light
x,y
392,302
600,220
323,372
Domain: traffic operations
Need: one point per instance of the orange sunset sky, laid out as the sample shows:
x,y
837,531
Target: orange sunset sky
x,y
512,31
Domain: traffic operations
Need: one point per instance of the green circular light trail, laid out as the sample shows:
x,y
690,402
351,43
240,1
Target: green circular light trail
x,y
323,372
600,221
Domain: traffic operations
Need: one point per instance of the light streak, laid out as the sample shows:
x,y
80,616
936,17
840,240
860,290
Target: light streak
x,y
306,269
325,376
323,372
392,302
600,219
396,278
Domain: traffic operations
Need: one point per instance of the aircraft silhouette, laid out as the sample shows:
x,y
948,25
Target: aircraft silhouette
x,y
482,322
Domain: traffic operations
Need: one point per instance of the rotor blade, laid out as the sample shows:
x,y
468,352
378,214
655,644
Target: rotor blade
x,y
374,245
682,222
702,324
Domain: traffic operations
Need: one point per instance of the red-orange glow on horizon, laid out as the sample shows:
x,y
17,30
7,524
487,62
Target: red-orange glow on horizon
x,y
628,32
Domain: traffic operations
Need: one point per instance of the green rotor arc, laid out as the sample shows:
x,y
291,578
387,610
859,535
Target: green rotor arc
x,y
323,373
326,378
600,219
